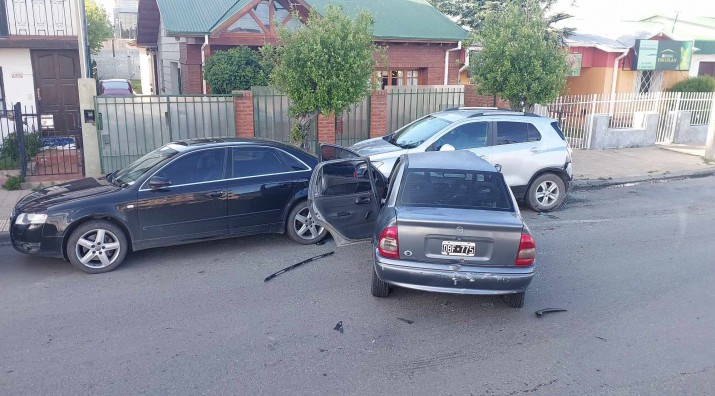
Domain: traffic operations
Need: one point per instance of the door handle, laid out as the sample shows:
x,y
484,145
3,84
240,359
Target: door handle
x,y
217,194
535,149
39,97
483,157
362,200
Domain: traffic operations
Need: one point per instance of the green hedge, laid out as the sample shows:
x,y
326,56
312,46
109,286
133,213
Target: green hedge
x,y
695,84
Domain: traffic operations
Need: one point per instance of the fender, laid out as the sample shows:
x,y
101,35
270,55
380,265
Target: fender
x,y
300,194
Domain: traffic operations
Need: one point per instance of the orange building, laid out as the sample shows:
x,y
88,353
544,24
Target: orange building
x,y
603,66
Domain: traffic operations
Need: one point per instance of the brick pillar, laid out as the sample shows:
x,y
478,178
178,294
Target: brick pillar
x,y
243,107
378,114
470,96
326,128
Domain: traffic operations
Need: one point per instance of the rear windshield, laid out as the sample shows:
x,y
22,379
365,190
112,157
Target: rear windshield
x,y
558,130
115,85
455,189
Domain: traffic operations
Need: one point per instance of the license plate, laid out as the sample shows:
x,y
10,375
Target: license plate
x,y
451,248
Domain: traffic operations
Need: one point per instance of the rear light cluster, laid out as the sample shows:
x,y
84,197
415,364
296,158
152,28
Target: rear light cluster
x,y
527,251
387,244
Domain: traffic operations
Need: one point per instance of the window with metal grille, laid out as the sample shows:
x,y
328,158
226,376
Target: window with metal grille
x,y
648,81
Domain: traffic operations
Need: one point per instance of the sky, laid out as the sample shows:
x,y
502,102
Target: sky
x,y
633,9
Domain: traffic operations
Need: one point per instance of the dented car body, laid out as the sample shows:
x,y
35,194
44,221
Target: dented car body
x,y
441,223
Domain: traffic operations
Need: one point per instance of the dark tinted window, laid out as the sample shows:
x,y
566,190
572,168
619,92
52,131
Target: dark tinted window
x,y
467,136
292,162
558,130
454,189
509,132
256,161
196,167
344,178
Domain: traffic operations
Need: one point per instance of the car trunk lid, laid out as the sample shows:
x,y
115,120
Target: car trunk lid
x,y
477,237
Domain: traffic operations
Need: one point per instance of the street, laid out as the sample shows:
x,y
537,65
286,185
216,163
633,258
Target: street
x,y
632,265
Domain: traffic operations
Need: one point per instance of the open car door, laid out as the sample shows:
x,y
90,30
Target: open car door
x,y
330,152
342,197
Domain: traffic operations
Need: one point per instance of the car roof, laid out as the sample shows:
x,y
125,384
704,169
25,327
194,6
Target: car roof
x,y
219,142
460,113
115,80
449,160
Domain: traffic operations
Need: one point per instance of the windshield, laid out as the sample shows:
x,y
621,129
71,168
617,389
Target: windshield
x,y
459,189
140,167
115,85
416,133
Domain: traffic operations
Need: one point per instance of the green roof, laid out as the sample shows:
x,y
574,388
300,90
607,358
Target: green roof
x,y
394,19
705,47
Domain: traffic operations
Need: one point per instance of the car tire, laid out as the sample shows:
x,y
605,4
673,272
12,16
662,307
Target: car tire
x,y
97,246
546,193
301,228
379,288
515,300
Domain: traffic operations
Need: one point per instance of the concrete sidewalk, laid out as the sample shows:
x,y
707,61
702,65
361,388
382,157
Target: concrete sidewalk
x,y
8,199
606,167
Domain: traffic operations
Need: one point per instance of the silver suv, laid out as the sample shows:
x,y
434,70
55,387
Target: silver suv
x,y
531,151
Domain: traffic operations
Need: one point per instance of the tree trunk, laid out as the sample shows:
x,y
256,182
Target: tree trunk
x,y
301,130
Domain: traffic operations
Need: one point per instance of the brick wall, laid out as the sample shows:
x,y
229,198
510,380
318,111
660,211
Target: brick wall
x,y
378,114
243,106
191,74
472,99
429,58
326,129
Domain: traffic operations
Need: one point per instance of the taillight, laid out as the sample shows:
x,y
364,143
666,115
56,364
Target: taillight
x,y
527,251
387,245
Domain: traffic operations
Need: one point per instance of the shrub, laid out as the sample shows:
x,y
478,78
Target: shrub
x,y
13,183
695,84
10,150
238,68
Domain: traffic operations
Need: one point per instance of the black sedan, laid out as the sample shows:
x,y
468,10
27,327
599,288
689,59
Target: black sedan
x,y
183,192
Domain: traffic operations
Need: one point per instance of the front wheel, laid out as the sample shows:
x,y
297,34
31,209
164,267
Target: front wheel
x,y
546,193
97,246
301,227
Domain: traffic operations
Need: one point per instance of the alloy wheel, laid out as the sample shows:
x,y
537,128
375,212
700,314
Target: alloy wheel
x,y
305,226
547,193
98,248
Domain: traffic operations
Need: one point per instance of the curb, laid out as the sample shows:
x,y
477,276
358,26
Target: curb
x,y
585,184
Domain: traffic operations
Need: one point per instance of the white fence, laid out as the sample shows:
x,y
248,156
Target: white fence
x,y
573,112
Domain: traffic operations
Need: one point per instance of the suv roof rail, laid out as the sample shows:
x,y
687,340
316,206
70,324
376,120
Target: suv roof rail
x,y
472,108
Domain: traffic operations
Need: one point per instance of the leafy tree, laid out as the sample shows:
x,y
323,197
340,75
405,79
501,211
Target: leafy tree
x,y
695,84
518,60
471,13
238,68
99,29
324,66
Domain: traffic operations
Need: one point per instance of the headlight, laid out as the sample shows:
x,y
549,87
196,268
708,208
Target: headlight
x,y
30,218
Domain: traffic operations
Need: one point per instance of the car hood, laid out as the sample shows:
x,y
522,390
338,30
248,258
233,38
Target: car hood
x,y
41,200
374,146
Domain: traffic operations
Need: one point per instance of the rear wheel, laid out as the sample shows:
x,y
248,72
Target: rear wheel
x,y
515,300
97,246
301,228
546,193
379,288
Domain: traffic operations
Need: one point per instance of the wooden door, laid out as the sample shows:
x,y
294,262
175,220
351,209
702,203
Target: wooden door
x,y
56,73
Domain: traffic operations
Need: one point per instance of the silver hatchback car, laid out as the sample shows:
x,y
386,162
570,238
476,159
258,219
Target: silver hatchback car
x,y
443,222
531,151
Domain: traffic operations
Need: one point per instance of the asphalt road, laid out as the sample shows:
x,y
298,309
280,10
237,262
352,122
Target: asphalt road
x,y
634,267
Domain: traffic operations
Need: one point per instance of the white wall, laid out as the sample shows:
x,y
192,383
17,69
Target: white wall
x,y
167,51
146,66
695,63
17,75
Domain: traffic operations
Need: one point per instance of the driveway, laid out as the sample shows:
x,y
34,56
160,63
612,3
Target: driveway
x,y
633,266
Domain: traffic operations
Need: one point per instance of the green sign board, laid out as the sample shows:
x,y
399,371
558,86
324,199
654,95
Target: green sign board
x,y
574,61
662,55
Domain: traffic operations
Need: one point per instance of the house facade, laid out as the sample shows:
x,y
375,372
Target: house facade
x,y
423,46
39,60
603,66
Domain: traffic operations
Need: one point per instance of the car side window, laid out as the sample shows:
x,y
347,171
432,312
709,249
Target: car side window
x,y
257,161
467,136
345,178
197,167
510,132
534,134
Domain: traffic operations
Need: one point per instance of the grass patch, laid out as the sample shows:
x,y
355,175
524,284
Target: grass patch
x,y
13,183
136,86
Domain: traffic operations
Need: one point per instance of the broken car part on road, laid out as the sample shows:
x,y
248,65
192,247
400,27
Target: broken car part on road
x,y
298,265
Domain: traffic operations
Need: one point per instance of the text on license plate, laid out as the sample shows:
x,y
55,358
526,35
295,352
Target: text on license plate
x,y
451,248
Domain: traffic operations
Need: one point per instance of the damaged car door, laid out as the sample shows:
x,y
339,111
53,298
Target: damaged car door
x,y
344,197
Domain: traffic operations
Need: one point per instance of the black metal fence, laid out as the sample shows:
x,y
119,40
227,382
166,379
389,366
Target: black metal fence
x,y
30,145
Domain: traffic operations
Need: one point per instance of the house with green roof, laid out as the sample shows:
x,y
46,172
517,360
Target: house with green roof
x,y
424,47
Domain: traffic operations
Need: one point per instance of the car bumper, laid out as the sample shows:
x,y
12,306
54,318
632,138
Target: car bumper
x,y
476,280
29,240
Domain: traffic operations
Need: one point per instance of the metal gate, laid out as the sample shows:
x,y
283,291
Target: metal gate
x,y
406,104
271,117
354,124
31,145
132,126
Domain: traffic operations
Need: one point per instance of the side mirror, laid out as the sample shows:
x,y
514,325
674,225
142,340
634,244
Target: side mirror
x,y
158,183
447,147
498,168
